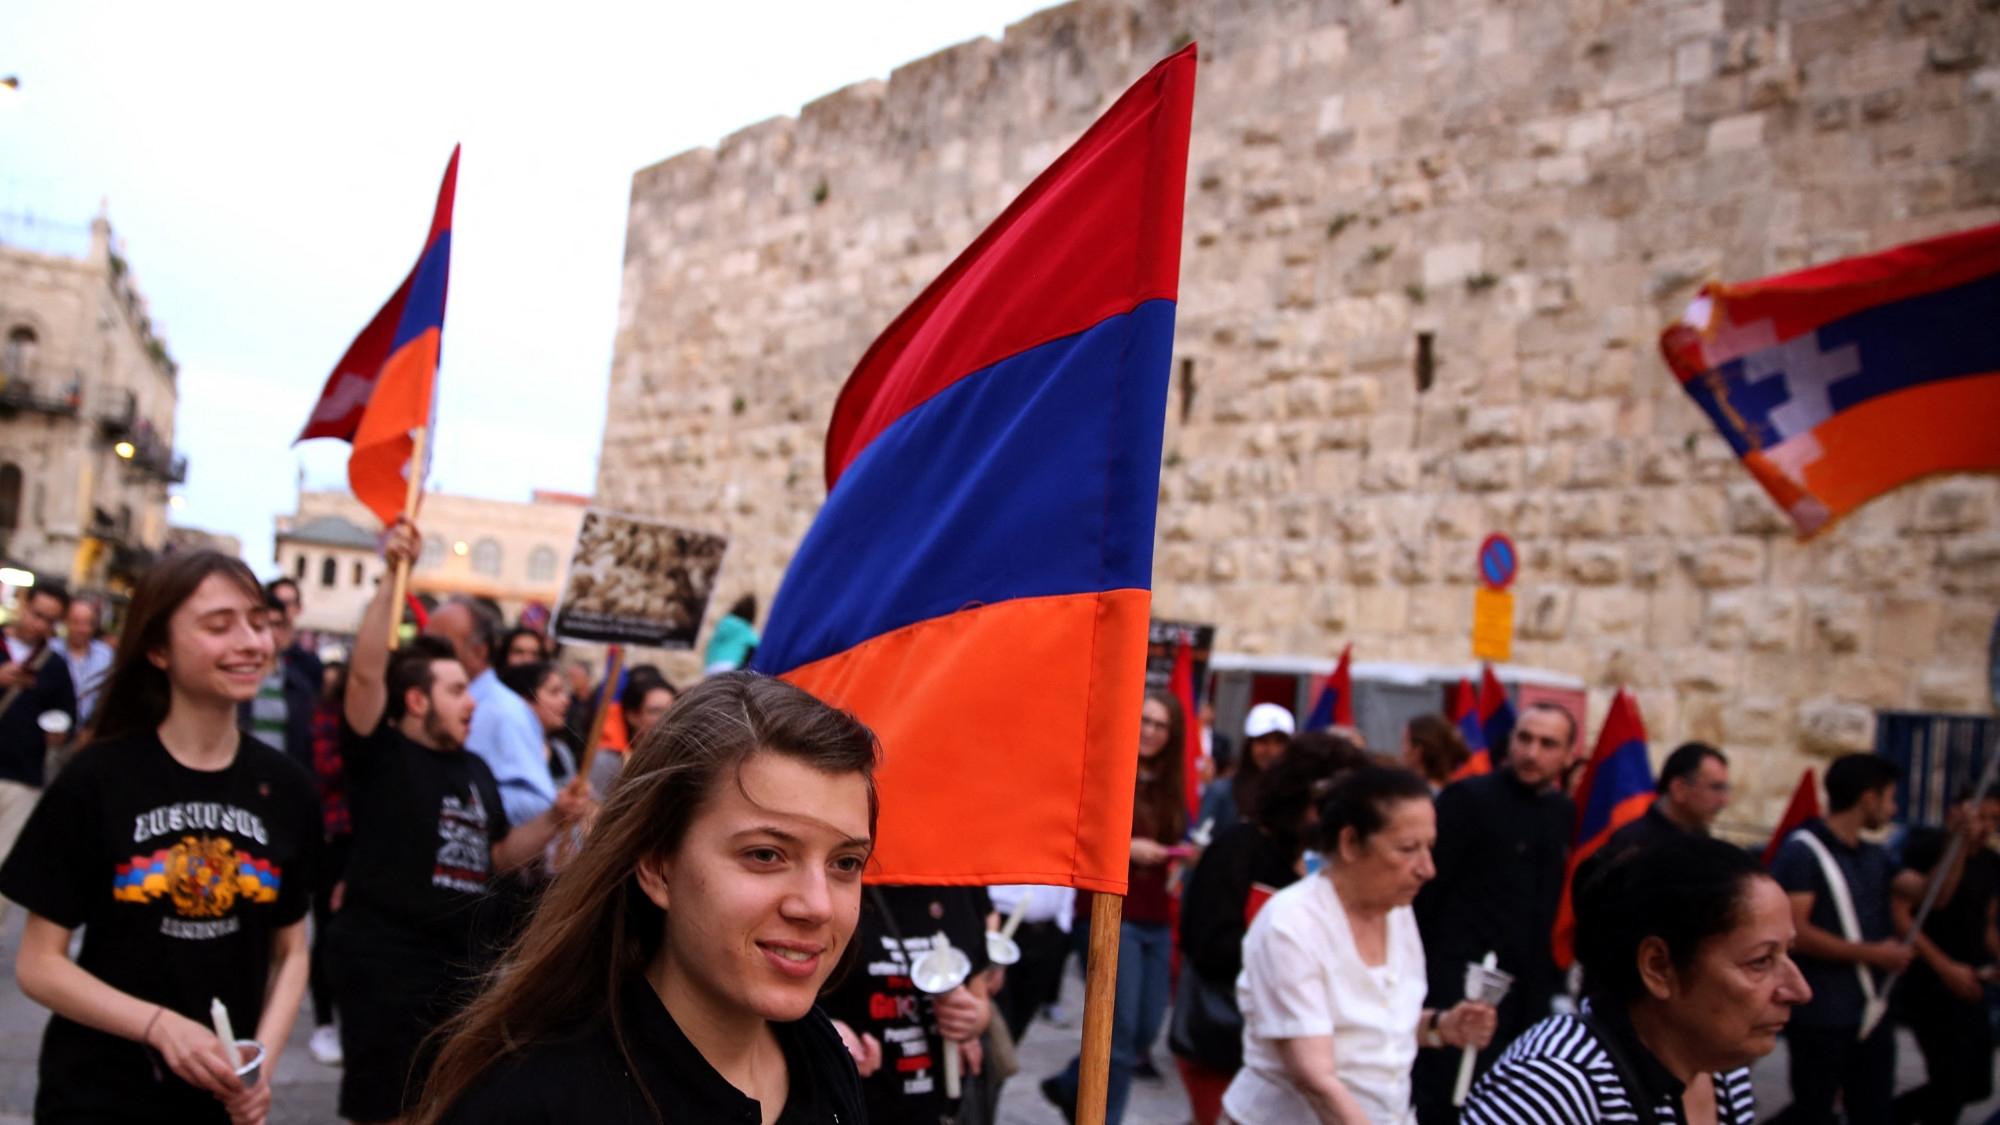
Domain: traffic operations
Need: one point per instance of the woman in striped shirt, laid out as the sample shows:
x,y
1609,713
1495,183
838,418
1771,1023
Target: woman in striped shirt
x,y
1686,951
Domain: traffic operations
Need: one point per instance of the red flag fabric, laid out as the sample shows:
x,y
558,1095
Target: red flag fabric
x,y
1803,806
382,389
1617,787
1181,683
1335,705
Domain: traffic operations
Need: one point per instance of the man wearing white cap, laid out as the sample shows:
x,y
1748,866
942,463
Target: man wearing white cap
x,y
1266,732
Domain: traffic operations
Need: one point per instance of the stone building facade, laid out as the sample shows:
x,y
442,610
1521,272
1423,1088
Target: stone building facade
x,y
87,398
1430,245
511,552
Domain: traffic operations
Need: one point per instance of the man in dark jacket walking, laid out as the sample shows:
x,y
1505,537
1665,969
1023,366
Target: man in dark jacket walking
x,y
34,682
1502,845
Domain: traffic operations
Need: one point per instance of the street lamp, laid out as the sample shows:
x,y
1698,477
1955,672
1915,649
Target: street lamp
x,y
460,547
124,449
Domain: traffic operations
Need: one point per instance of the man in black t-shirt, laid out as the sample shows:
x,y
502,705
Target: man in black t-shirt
x,y
429,832
902,1030
1942,997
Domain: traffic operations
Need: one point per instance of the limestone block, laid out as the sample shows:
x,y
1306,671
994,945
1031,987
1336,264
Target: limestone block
x,y
1305,398
1585,515
1751,511
1702,718
1495,425
1225,562
1414,562
1650,560
1574,421
1953,688
1333,608
1954,505
1609,611
1382,610
1907,627
1486,470
1298,564
1543,613
1389,472
1966,629
1342,433
1595,564
1880,564
1597,464
1451,263
1725,563
1877,683
1546,466
1181,564
1757,721
1681,270
1441,613
1177,524
1837,622
1350,519
1631,666
1832,727
1774,623
1692,670
1364,563
1354,394
1725,621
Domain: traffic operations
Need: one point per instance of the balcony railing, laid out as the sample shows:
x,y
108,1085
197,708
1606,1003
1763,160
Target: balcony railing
x,y
18,394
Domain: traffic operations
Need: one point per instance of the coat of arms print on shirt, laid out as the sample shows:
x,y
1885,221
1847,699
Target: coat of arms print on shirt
x,y
204,873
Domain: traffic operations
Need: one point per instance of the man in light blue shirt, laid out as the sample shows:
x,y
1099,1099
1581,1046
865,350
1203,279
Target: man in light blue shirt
x,y
89,658
505,732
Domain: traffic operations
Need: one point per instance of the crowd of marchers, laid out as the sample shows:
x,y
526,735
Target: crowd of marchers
x,y
502,919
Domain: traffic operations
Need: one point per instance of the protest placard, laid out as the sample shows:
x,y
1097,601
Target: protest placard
x,y
638,582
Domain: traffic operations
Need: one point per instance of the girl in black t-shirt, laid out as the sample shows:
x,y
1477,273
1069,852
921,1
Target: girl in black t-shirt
x,y
188,853
671,970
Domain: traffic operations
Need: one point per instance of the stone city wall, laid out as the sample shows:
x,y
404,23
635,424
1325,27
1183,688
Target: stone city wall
x,y
1533,189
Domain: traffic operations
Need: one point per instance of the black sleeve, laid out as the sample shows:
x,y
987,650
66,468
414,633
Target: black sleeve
x,y
55,869
1212,925
1452,855
361,755
512,1096
302,807
58,690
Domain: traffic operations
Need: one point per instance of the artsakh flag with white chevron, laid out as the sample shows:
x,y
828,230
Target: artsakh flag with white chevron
x,y
1837,383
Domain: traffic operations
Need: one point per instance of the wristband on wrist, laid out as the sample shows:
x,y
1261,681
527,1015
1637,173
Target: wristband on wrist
x,y
146,1036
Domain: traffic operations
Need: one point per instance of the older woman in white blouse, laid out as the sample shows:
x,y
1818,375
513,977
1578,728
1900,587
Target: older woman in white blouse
x,y
1332,990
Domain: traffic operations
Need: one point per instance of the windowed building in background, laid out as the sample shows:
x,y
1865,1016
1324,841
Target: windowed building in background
x,y
511,552
87,399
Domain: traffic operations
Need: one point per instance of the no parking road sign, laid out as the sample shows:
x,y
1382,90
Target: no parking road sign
x,y
1492,604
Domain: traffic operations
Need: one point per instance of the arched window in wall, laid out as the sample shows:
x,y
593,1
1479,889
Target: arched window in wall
x,y
10,496
329,571
18,361
433,554
542,565
299,570
358,576
486,557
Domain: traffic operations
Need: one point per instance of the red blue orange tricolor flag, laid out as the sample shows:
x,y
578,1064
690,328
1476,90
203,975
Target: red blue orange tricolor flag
x,y
1465,716
1496,712
1616,790
992,471
1335,705
1837,383
381,391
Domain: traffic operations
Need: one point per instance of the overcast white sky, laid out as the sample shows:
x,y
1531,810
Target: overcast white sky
x,y
271,170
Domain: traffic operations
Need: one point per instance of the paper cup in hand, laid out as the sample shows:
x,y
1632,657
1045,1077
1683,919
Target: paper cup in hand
x,y
53,722
250,1055
1001,949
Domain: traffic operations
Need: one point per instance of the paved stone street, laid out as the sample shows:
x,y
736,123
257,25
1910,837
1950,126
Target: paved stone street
x,y
306,1091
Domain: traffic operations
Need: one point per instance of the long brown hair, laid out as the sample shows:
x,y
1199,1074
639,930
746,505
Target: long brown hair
x,y
1158,802
137,694
595,928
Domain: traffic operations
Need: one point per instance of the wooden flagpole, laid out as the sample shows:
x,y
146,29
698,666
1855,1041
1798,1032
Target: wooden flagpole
x,y
612,668
1100,995
414,492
